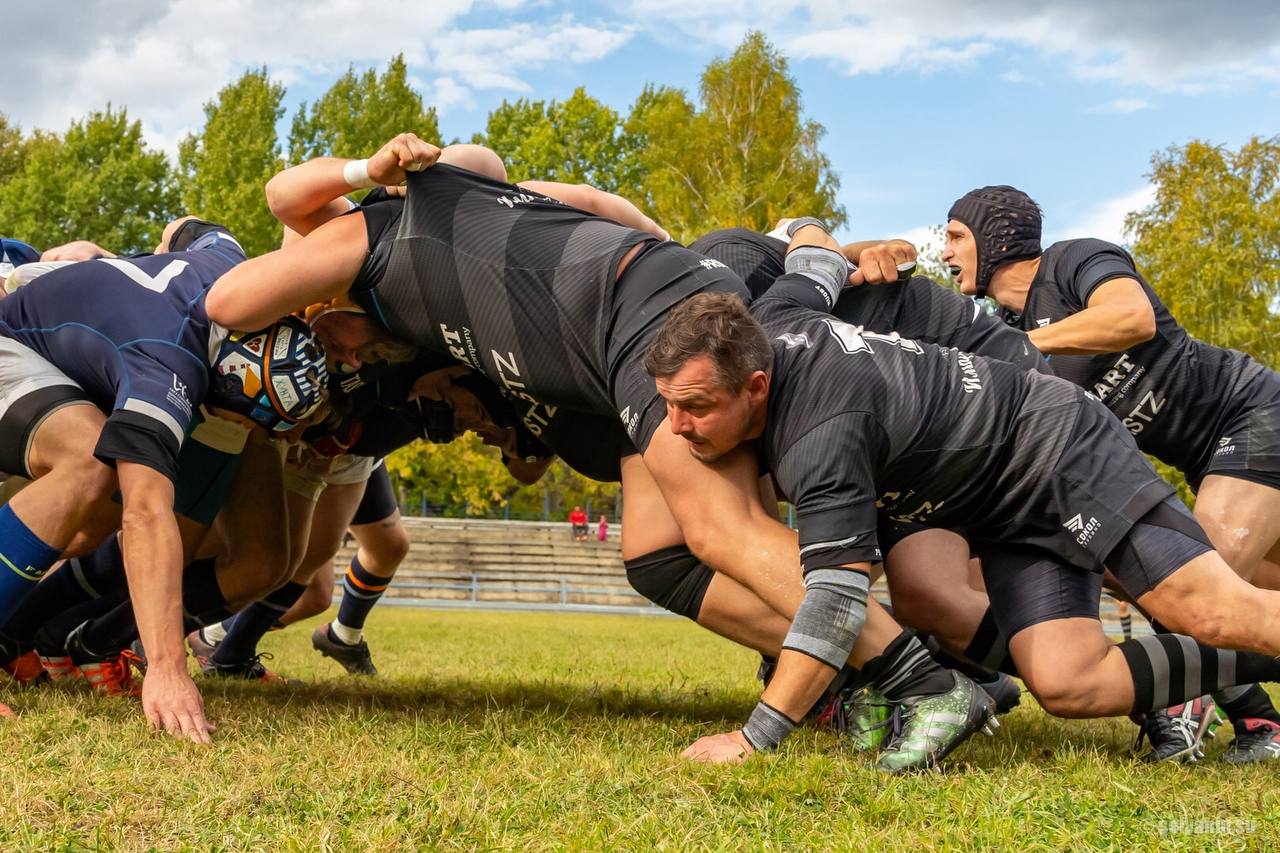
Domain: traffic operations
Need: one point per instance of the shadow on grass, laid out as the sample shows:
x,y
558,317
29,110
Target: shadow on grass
x,y
453,698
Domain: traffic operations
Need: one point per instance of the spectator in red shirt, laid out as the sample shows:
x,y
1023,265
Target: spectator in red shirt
x,y
578,519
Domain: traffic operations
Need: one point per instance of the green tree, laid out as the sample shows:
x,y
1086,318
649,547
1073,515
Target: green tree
x,y
464,474
13,149
99,181
579,140
359,113
1210,242
225,167
747,157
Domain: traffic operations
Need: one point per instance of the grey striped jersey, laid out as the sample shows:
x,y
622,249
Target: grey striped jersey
x,y
917,309
512,283
861,422
1173,392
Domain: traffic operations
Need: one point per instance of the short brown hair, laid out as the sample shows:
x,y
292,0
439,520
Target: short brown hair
x,y
717,325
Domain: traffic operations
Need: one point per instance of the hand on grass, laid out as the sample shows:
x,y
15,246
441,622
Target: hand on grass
x,y
727,748
172,703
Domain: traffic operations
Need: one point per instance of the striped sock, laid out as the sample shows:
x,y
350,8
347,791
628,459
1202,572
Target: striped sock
x,y
361,590
1168,669
1126,626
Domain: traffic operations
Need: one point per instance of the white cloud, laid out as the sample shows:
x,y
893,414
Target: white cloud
x,y
1015,76
1181,45
165,58
1122,106
1105,221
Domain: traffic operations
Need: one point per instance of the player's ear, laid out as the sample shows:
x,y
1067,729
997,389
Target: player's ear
x,y
758,387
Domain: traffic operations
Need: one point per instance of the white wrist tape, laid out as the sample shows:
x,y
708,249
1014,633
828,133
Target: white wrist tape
x,y
356,174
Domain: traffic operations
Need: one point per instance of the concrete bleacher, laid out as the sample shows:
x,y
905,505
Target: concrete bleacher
x,y
534,565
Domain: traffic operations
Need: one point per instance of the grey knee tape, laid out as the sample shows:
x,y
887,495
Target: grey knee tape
x,y
826,267
767,727
831,615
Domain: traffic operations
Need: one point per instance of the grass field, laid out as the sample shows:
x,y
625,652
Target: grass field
x,y
503,730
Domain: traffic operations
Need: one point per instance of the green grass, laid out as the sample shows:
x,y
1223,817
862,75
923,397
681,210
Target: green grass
x,y
501,730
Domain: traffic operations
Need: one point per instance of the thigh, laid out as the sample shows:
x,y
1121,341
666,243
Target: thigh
x,y
928,580
1241,518
329,523
647,522
379,500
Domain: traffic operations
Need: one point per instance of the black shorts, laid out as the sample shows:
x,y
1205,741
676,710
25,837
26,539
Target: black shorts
x,y
889,533
1028,586
1074,481
379,501
1248,447
1163,541
660,278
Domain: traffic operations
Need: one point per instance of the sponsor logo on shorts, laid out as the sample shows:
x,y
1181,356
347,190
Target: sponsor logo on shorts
x,y
177,395
629,421
1225,447
1084,530
1044,321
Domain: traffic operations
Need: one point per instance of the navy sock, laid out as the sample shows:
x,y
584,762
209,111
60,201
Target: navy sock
x,y
361,590
51,638
24,558
76,581
202,598
250,624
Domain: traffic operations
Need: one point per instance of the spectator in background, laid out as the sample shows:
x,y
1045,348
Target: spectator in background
x,y
602,531
578,519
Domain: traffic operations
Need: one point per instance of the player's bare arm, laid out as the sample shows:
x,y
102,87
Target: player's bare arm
x,y
597,201
1119,315
153,563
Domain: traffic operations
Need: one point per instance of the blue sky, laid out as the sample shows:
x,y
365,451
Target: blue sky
x,y
921,99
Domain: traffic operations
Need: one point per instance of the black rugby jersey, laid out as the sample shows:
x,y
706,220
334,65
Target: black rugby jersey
x,y
864,427
918,309
1173,392
510,282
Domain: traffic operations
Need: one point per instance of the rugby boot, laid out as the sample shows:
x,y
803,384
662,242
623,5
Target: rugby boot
x,y
355,659
864,717
1178,733
251,669
110,675
201,649
1004,691
1255,741
54,658
26,668
928,728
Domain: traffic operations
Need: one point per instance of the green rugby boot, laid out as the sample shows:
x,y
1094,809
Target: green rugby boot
x,y
930,727
865,716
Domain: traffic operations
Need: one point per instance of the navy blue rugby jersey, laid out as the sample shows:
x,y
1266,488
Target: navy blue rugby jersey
x,y
133,333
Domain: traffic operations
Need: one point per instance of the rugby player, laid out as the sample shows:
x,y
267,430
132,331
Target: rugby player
x,y
552,291
860,428
101,368
1212,413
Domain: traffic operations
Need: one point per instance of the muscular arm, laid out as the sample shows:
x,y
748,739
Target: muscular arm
x,y
317,268
1119,315
153,564
599,202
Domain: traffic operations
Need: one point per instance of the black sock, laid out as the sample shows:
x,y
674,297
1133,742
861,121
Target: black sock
x,y
111,633
76,581
960,665
1188,669
989,647
905,669
1247,702
51,639
249,626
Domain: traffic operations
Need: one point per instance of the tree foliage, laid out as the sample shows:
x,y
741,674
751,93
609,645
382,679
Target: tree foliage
x,y
98,181
1210,242
747,157
225,167
359,113
578,140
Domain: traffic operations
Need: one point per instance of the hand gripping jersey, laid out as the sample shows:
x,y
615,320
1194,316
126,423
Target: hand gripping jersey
x,y
134,335
524,289
1173,392
917,309
863,426
510,282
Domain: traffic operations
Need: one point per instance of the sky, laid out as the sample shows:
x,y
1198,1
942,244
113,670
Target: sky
x,y
922,100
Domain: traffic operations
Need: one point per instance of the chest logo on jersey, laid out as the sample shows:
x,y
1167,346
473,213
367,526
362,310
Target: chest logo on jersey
x,y
1084,530
538,418
461,346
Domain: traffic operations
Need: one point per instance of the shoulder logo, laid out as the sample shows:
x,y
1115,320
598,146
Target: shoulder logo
x,y
1044,321
793,341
